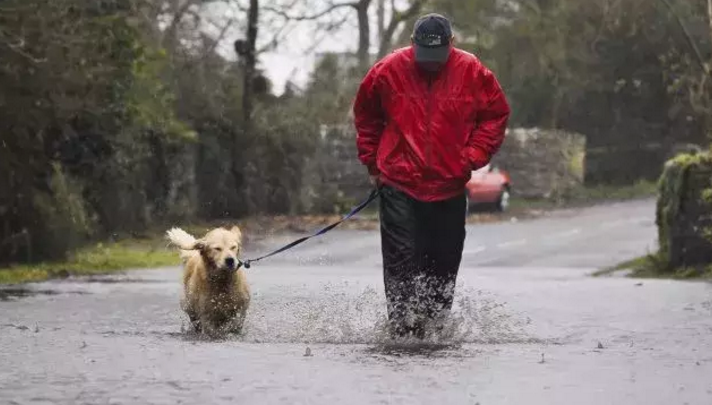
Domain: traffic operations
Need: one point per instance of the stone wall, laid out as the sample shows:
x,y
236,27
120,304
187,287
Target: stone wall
x,y
684,211
334,180
343,169
542,163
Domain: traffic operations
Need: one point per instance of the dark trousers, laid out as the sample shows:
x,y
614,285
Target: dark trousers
x,y
422,244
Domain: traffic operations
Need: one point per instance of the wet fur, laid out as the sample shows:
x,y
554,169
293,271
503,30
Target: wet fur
x,y
215,298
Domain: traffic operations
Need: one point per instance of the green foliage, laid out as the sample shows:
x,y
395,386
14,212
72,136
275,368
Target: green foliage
x,y
288,140
149,100
331,89
66,220
82,95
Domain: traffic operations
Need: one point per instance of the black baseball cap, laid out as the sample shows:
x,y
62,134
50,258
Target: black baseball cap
x,y
431,38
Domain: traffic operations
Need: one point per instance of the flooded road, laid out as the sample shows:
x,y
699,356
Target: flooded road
x,y
531,327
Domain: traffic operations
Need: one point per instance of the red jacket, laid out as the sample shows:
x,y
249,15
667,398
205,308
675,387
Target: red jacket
x,y
425,133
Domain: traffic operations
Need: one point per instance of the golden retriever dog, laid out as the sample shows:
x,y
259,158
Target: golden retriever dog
x,y
216,293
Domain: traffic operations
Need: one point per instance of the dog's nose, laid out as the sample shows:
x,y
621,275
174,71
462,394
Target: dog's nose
x,y
230,262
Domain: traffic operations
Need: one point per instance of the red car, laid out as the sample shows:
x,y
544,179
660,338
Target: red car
x,y
489,186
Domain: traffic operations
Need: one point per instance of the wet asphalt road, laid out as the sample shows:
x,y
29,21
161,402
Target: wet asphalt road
x,y
532,328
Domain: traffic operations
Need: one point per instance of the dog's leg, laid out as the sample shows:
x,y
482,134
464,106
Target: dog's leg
x,y
208,327
196,323
238,323
189,310
241,320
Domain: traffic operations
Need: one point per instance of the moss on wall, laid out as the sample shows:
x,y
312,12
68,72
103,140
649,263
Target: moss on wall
x,y
684,211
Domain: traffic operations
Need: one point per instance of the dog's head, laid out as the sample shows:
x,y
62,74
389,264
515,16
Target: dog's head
x,y
221,248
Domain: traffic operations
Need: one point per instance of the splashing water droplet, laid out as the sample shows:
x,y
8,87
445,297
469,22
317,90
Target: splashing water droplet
x,y
343,314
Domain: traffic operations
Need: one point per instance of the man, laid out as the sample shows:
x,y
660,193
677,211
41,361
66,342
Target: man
x,y
426,116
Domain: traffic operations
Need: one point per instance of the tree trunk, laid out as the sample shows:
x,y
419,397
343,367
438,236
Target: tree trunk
x,y
249,61
381,18
364,33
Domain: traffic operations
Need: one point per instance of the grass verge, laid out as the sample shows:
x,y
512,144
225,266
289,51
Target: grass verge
x,y
652,266
97,259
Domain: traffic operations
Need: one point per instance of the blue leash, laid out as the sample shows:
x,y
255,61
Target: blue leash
x,y
247,263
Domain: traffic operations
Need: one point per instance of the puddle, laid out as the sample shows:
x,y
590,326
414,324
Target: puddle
x,y
122,280
16,293
419,349
338,316
158,334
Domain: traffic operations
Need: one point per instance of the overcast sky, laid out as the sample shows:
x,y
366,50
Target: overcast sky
x,y
299,42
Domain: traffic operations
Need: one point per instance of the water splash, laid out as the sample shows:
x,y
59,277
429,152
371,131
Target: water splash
x,y
336,315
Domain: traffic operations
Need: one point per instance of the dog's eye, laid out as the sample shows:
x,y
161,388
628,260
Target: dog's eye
x,y
233,248
219,249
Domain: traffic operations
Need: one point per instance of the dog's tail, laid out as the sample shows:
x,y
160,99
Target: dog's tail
x,y
185,241
181,238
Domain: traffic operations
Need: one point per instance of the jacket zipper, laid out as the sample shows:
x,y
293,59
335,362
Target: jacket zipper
x,y
428,140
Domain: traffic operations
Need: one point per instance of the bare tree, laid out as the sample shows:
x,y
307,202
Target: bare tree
x,y
386,30
381,18
247,52
397,19
364,32
250,61
360,6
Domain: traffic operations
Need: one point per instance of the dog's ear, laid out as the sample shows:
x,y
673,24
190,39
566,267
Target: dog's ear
x,y
199,244
236,230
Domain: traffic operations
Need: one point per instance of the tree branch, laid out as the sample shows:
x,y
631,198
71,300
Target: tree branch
x,y
273,43
318,41
315,16
219,39
397,17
